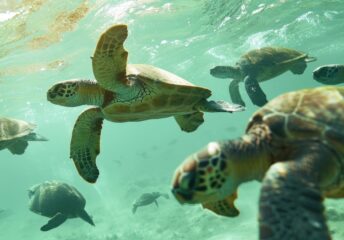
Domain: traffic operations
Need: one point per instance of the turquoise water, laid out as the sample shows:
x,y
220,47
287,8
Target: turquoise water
x,y
43,42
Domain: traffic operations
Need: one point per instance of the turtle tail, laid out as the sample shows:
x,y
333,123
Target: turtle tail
x,y
87,218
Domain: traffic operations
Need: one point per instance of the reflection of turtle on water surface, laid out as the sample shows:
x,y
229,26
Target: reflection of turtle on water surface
x,y
148,198
58,201
127,93
295,146
259,65
15,134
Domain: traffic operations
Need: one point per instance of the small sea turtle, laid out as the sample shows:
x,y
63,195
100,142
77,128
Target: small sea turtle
x,y
58,201
148,198
15,134
295,146
329,74
259,65
125,92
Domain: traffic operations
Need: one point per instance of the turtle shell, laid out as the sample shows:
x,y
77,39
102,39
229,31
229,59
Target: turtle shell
x,y
268,62
12,128
164,94
316,113
51,197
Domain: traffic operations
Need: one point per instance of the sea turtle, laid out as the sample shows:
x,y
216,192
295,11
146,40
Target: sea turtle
x,y
15,134
329,74
58,201
127,92
295,146
259,65
148,198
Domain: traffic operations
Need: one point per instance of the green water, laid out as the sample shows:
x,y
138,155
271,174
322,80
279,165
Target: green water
x,y
42,42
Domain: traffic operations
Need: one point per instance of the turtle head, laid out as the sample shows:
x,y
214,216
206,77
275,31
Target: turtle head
x,y
64,93
32,190
226,72
204,177
330,74
75,92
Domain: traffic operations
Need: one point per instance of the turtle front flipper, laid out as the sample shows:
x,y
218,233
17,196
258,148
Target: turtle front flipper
x,y
234,93
224,207
56,221
290,202
85,142
190,122
18,147
109,61
254,91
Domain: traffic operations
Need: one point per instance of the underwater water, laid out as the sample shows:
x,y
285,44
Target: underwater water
x,y
45,41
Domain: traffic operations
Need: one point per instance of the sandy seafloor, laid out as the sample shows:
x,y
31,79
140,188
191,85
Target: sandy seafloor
x,y
43,42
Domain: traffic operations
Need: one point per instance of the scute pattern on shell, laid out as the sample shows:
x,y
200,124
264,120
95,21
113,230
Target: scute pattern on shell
x,y
306,114
13,128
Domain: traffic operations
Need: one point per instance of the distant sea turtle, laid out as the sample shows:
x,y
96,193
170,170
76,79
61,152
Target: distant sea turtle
x,y
329,74
58,201
148,198
295,146
124,93
259,65
15,134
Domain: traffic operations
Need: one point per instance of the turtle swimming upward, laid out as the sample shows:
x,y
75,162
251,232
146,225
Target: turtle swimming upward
x,y
15,134
329,74
125,92
295,146
259,65
58,201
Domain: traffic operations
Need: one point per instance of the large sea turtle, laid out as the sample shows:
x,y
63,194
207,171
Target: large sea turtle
x,y
15,134
148,198
329,74
58,201
259,65
295,146
126,92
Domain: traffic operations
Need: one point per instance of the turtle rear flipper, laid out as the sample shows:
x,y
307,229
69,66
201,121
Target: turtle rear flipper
x,y
84,216
190,122
134,208
85,142
224,207
234,93
290,202
35,137
255,92
54,222
18,147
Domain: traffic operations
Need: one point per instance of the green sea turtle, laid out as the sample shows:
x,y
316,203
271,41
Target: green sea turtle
x,y
58,201
295,146
329,74
259,65
15,134
148,198
127,92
